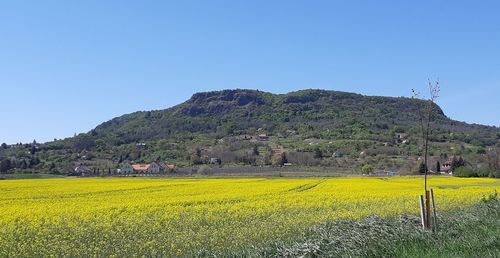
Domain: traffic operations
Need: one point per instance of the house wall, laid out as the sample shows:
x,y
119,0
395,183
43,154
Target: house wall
x,y
127,169
154,168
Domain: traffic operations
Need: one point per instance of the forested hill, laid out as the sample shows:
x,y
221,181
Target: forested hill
x,y
327,114
309,127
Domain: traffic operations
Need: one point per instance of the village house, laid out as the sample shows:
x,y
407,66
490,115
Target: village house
x,y
453,162
141,168
244,137
385,173
215,161
263,137
166,168
81,170
170,168
126,169
401,136
446,167
152,168
140,145
163,167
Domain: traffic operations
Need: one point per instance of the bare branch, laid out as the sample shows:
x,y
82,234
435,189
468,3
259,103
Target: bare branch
x,y
425,127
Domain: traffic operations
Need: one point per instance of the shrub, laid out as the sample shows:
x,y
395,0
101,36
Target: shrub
x,y
367,169
465,172
204,170
475,172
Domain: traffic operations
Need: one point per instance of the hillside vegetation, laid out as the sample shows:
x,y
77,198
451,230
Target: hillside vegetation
x,y
306,128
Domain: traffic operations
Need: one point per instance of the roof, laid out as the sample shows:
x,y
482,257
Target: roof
x,y
140,167
171,166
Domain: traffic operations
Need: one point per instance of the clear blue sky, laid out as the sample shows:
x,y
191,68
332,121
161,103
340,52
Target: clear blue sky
x,y
67,66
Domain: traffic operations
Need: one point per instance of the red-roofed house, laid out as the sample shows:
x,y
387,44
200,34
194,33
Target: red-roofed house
x,y
141,168
152,168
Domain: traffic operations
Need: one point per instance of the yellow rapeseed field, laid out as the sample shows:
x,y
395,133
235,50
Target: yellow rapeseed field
x,y
165,216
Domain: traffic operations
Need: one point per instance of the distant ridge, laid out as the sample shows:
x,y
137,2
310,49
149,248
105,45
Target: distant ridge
x,y
245,110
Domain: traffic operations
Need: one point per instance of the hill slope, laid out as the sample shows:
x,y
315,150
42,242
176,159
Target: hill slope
x,y
222,113
225,123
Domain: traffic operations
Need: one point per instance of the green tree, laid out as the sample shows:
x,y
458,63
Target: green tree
x,y
367,169
456,163
318,153
280,160
5,165
255,150
422,168
33,149
84,142
100,144
33,162
23,164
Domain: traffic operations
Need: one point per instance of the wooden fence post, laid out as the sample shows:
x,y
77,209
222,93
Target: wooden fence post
x,y
422,211
428,216
434,216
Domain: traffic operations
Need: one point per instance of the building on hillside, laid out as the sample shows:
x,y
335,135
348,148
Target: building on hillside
x,y
81,170
140,145
244,137
126,169
140,168
171,168
392,173
263,137
454,162
446,167
401,136
215,161
166,168
152,168
163,167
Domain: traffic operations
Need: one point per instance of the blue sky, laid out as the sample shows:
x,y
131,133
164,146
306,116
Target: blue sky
x,y
67,66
